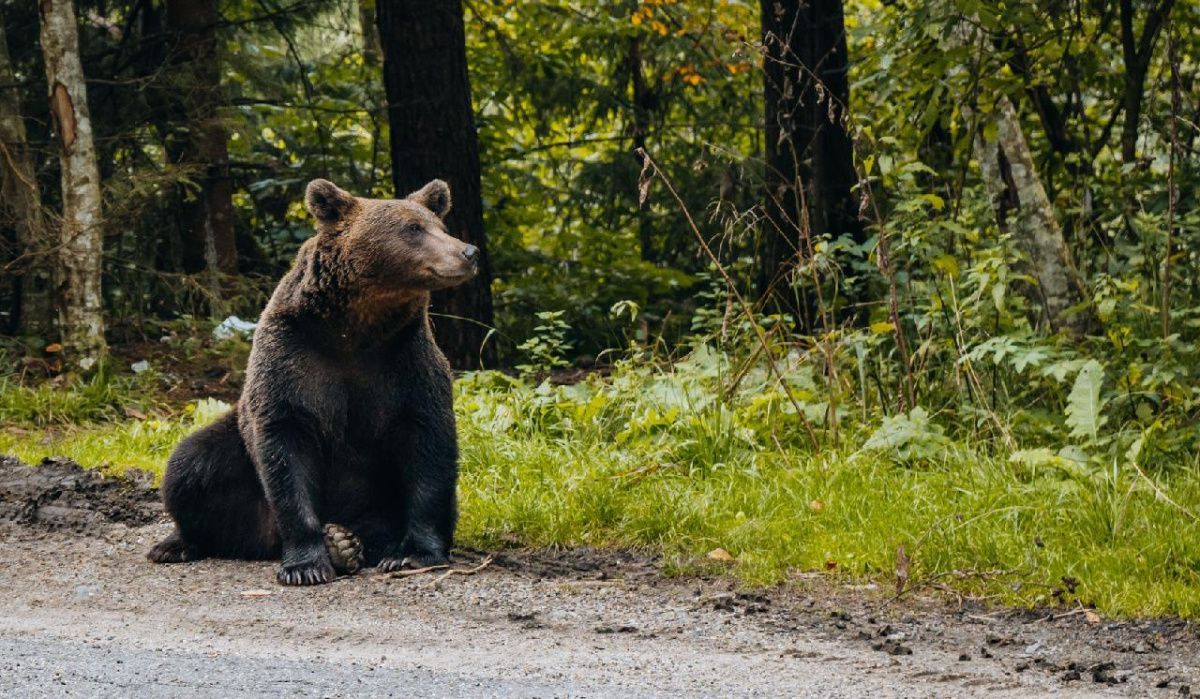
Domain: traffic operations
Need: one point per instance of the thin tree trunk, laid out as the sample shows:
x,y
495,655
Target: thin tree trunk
x,y
1023,209
372,51
1137,52
433,136
23,205
81,242
208,236
642,99
809,154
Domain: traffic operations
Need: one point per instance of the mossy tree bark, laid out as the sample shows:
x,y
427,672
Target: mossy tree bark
x,y
1023,209
81,239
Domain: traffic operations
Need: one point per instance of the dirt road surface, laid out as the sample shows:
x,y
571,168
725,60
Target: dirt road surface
x,y
82,613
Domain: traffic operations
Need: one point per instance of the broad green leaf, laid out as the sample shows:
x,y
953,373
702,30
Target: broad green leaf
x,y
1085,403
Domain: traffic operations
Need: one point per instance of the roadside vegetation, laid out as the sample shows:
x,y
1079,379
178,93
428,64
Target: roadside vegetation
x,y
703,457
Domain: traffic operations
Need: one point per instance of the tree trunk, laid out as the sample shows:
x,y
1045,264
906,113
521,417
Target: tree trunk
x,y
809,154
81,241
1023,209
23,205
372,52
1137,52
208,238
643,99
433,136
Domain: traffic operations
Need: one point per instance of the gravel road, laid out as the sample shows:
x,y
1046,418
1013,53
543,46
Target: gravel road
x,y
82,613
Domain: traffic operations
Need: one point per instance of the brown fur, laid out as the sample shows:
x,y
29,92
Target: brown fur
x,y
346,416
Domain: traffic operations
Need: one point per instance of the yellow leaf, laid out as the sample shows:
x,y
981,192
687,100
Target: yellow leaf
x,y
719,554
816,505
947,264
882,328
636,19
53,347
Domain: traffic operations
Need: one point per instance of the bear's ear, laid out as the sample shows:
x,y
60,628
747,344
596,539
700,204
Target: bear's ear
x,y
434,196
328,202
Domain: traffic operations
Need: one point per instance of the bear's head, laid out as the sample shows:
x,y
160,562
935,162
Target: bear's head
x,y
399,244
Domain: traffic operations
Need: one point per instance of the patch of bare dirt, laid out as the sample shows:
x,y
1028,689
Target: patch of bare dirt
x,y
60,494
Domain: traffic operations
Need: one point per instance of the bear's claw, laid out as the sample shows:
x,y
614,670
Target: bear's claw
x,y
411,561
310,573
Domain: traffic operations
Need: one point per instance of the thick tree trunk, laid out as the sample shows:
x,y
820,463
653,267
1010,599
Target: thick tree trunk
x,y
809,154
1023,209
23,206
433,136
81,241
202,148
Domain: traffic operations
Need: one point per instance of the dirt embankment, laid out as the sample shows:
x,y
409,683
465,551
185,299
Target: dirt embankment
x,y
82,612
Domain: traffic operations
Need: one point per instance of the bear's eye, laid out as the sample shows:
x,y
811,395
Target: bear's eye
x,y
413,229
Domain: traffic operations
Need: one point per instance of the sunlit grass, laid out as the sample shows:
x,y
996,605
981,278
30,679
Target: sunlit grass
x,y
612,464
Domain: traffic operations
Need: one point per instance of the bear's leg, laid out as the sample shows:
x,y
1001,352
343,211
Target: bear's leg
x,y
288,457
211,491
427,497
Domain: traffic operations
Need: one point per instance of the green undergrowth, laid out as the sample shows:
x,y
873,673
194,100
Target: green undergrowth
x,y
661,460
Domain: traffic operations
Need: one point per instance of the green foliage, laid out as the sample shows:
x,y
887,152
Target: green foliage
x,y
547,348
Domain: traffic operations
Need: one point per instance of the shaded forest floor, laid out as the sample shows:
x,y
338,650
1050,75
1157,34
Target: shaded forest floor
x,y
87,613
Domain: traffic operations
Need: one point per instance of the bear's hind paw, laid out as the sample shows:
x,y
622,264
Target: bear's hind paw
x,y
345,549
172,550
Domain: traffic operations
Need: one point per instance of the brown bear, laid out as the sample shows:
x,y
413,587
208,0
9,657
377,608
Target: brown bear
x,y
346,414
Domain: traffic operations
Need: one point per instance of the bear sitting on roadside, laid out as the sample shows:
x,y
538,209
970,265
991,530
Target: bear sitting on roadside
x,y
346,413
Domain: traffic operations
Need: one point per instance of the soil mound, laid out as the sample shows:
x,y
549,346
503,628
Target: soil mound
x,y
61,494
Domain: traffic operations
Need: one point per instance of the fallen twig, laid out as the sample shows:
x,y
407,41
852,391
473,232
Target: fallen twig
x,y
414,571
460,571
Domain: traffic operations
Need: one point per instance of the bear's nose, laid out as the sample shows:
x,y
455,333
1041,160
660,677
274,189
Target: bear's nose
x,y
471,253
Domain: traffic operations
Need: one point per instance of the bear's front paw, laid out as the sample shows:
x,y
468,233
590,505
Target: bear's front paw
x,y
413,560
315,572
